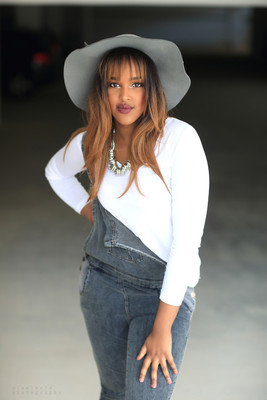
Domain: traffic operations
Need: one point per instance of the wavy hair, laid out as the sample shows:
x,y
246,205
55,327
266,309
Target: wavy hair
x,y
149,126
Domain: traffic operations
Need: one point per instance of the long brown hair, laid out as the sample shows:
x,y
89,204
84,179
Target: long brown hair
x,y
149,126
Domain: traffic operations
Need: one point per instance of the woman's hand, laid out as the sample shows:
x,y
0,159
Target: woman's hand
x,y
158,351
87,212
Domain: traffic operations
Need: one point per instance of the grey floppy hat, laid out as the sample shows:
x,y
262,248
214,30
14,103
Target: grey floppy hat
x,y
81,65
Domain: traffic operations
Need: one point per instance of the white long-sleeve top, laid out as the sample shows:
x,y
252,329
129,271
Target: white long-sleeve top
x,y
169,224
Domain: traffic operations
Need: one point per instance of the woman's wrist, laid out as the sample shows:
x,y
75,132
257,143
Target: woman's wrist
x,y
162,325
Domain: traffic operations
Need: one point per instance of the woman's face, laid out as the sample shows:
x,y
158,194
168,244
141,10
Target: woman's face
x,y
126,95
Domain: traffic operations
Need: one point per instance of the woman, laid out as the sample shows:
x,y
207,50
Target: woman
x,y
147,201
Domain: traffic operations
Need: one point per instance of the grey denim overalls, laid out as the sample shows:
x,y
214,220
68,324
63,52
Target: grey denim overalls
x,y
119,286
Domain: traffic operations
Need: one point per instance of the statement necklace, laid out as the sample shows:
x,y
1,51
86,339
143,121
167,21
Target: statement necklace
x,y
112,161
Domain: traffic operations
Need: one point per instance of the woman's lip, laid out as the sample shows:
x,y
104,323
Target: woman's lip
x,y
124,108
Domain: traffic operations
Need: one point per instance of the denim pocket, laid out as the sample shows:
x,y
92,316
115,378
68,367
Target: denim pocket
x,y
190,299
84,274
125,254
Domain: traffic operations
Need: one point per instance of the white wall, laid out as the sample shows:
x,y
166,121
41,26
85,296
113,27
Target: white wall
x,y
214,3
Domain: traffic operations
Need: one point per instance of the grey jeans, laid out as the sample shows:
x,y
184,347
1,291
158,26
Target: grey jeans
x,y
119,286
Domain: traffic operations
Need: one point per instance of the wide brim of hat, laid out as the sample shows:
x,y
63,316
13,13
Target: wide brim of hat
x,y
81,65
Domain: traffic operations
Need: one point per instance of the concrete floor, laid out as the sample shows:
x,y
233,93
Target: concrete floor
x,y
45,352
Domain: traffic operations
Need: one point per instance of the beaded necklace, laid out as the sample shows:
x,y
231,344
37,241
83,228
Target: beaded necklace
x,y
112,161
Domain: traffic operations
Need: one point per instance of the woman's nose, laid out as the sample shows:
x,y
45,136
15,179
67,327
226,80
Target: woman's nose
x,y
124,92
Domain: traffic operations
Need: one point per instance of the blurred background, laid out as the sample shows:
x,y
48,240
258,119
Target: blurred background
x,y
45,352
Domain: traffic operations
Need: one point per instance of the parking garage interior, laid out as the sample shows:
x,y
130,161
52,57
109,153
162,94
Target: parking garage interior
x,y
45,351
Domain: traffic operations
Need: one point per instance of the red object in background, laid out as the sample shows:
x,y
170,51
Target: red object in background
x,y
32,60
41,58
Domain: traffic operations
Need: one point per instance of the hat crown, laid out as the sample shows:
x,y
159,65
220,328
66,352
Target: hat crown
x,y
128,35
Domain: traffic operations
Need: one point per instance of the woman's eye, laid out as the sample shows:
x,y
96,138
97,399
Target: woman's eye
x,y
137,84
113,85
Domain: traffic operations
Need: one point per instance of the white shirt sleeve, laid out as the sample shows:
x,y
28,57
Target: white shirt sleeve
x,y
60,172
189,187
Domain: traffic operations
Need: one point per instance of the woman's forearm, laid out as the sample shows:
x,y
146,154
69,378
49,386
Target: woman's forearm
x,y
165,317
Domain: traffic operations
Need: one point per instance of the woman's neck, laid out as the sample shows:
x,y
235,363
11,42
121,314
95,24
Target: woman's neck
x,y
124,134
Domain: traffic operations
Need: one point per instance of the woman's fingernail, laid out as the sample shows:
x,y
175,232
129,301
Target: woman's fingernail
x,y
137,357
169,381
141,380
153,385
175,373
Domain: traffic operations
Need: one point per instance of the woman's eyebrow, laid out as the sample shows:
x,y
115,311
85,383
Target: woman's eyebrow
x,y
114,78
